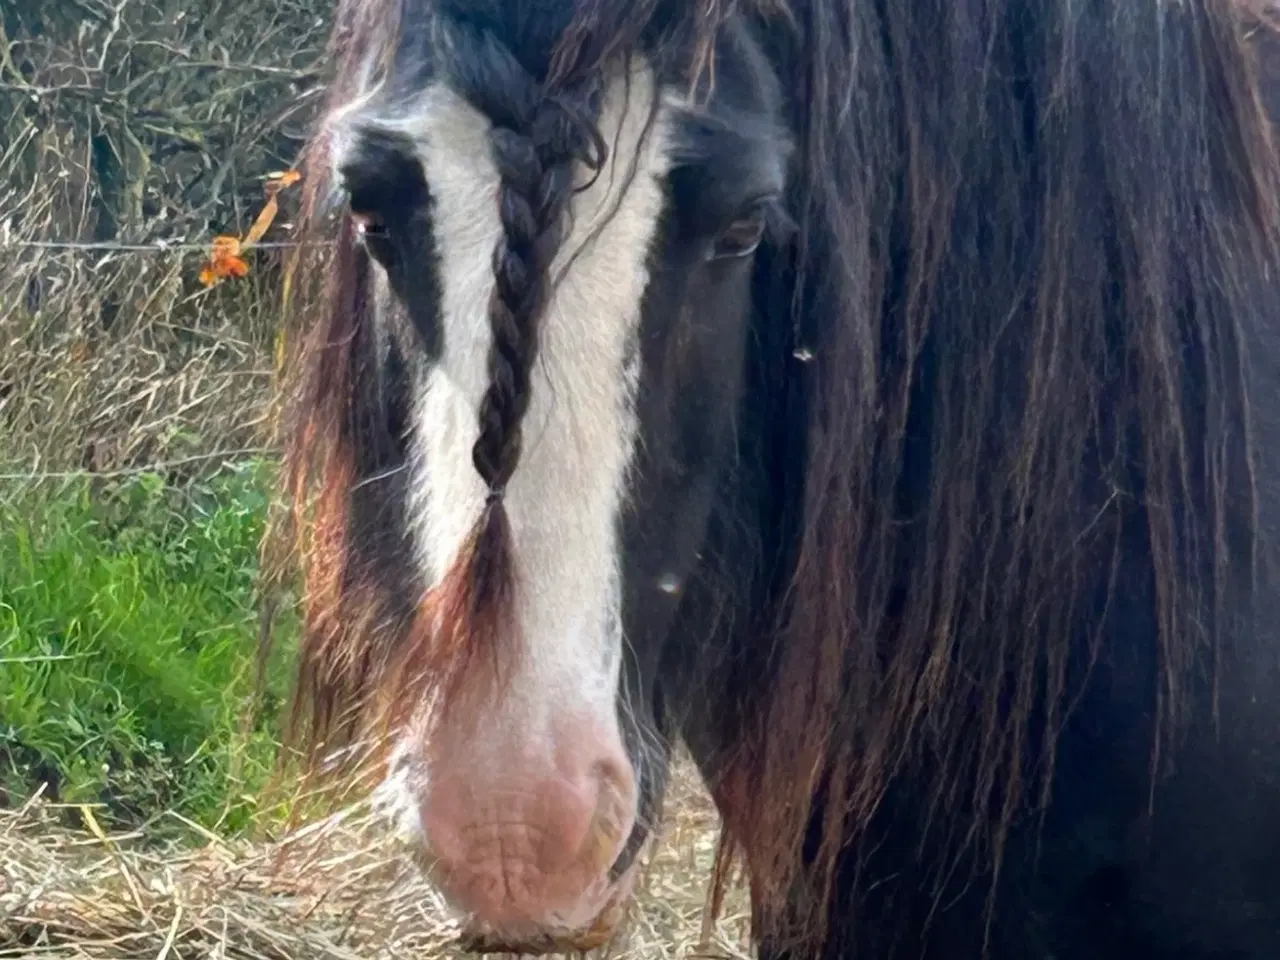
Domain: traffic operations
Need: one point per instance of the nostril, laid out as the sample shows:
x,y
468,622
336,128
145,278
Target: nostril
x,y
614,784
613,774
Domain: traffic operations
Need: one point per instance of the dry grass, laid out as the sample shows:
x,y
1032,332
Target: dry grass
x,y
129,137
333,889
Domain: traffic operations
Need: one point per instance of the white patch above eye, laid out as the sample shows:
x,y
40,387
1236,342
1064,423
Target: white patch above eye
x,y
579,433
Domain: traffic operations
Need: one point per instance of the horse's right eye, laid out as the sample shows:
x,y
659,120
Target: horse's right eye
x,y
370,226
373,233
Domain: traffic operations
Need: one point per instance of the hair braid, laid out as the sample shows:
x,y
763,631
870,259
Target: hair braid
x,y
542,129
536,169
536,156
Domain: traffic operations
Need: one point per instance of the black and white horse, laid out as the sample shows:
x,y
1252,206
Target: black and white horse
x,y
882,399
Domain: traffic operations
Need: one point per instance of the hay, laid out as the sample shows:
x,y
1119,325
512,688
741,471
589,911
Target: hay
x,y
333,890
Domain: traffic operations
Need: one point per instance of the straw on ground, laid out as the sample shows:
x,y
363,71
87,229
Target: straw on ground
x,y
332,890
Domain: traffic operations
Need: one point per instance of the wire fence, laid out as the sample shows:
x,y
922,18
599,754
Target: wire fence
x,y
132,132
161,466
158,246
114,361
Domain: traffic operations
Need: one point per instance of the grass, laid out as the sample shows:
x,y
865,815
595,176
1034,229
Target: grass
x,y
128,636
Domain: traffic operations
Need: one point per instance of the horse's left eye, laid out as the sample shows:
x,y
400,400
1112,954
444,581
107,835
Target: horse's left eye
x,y
742,236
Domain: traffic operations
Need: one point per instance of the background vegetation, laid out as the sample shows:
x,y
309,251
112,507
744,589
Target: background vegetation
x,y
127,641
135,454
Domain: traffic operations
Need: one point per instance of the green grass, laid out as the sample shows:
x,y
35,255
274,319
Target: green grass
x,y
128,644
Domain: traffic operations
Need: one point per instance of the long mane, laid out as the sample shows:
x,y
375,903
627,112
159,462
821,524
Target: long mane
x,y
1030,241
1033,235
342,429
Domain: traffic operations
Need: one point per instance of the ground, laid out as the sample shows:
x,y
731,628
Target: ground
x,y
328,890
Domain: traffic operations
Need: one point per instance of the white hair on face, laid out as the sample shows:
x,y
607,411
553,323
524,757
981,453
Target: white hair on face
x,y
580,430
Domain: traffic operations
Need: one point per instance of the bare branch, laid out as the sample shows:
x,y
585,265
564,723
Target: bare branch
x,y
132,132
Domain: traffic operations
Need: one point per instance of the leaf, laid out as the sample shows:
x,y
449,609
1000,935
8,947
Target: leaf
x,y
280,181
224,262
261,224
283,178
225,246
226,259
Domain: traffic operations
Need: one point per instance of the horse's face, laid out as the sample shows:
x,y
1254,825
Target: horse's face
x,y
534,805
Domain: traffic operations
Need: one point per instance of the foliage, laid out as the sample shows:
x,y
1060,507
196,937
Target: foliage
x,y
128,638
133,132
227,256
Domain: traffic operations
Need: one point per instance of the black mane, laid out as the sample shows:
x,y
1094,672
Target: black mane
x,y
1032,248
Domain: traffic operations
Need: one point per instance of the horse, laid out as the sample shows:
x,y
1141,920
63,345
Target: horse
x,y
869,398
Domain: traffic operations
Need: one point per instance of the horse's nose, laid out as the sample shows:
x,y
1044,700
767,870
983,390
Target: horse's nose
x,y
524,829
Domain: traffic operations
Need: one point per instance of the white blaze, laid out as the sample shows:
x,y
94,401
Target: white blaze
x,y
580,429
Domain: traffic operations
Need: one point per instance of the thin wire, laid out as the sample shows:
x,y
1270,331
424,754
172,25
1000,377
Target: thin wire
x,y
157,466
159,246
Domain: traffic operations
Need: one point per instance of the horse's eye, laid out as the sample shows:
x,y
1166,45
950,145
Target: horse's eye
x,y
369,225
742,236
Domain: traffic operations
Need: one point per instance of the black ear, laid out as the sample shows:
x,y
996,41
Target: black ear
x,y
382,174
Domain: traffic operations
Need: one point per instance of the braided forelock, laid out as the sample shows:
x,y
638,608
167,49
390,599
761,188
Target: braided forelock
x,y
540,132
